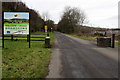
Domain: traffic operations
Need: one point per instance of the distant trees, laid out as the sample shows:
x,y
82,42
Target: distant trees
x,y
50,25
14,6
37,23
71,18
48,21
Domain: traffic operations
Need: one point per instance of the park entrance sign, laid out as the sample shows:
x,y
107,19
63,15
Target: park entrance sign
x,y
16,22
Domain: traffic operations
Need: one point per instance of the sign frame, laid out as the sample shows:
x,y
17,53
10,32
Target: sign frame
x,y
16,23
15,34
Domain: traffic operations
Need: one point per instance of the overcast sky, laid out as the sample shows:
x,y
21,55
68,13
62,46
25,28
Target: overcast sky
x,y
100,13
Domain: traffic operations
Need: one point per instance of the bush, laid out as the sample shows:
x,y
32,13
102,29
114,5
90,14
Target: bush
x,y
98,34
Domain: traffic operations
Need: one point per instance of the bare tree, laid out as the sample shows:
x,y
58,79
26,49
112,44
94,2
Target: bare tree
x,y
71,18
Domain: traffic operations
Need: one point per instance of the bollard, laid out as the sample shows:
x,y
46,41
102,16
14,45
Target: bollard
x,y
47,42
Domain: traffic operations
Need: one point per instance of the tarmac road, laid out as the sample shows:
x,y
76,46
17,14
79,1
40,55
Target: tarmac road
x,y
76,58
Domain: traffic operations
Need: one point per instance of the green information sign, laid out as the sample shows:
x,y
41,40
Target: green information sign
x,y
16,22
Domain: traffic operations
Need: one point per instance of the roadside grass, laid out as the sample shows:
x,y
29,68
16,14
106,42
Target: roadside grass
x,y
19,61
117,43
84,37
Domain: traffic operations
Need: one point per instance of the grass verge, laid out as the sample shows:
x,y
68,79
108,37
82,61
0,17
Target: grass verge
x,y
19,61
83,37
117,43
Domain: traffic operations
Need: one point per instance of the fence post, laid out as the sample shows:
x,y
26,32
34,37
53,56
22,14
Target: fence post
x,y
113,40
47,34
11,37
27,38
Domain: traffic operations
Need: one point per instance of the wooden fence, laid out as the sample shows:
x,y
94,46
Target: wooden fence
x,y
13,37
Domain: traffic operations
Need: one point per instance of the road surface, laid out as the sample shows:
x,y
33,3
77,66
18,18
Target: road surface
x,y
76,58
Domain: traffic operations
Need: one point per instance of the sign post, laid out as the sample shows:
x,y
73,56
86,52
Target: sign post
x,y
16,23
46,28
2,30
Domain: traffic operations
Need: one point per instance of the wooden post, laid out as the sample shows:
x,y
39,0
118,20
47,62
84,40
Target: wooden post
x,y
48,34
27,38
105,33
11,37
113,40
2,38
29,30
2,29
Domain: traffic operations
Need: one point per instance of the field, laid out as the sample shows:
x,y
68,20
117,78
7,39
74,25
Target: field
x,y
19,61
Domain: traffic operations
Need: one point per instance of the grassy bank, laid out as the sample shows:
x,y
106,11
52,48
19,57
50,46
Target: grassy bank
x,y
19,61
117,43
84,37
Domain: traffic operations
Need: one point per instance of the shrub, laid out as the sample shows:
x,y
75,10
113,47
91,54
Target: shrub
x,y
98,34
